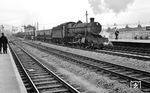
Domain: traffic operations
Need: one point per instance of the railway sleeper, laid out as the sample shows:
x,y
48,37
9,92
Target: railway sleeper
x,y
46,82
43,79
63,90
50,86
39,77
39,74
53,85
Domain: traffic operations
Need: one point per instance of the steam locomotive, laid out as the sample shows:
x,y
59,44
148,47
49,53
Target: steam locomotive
x,y
78,34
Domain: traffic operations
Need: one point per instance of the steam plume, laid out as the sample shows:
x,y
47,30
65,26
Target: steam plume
x,y
117,6
96,6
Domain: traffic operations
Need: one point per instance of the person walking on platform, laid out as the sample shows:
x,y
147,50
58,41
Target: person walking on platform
x,y
116,34
4,42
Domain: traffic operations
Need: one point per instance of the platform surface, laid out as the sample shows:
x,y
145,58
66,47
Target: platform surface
x,y
10,80
130,40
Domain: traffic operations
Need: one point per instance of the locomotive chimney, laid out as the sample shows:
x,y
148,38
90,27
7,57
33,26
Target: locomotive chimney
x,y
91,20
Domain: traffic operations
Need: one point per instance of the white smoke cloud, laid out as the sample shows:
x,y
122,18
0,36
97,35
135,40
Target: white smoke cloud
x,y
104,33
96,5
117,6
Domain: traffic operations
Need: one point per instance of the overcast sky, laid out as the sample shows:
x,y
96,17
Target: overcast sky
x,y
50,13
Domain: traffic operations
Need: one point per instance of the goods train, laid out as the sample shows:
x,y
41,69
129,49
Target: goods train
x,y
70,33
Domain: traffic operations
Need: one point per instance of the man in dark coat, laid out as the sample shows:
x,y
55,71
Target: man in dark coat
x,y
116,34
4,42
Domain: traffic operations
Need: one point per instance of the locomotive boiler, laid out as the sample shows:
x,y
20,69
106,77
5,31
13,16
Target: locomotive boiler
x,y
84,28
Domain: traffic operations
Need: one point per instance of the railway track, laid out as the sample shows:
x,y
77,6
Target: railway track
x,y
131,50
125,54
37,77
121,73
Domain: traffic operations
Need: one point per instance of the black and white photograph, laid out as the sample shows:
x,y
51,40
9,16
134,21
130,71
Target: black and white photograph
x,y
74,46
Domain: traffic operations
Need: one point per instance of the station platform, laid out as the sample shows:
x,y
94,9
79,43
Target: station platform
x,y
10,80
131,43
130,40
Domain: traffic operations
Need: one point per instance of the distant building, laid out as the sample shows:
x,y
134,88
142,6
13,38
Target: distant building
x,y
29,28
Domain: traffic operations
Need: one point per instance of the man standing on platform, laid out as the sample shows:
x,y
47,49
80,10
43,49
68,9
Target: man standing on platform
x,y
4,42
116,34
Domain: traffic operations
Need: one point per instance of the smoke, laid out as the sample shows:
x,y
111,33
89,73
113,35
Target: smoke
x,y
96,6
104,34
117,6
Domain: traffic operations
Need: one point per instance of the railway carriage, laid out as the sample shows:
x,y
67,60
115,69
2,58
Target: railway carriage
x,y
44,35
61,33
39,35
48,34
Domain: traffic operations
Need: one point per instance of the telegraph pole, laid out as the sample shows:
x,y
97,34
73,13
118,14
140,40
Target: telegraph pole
x,y
86,17
86,22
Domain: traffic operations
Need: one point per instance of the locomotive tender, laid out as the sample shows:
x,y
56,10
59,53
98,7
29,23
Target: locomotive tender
x,y
77,34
